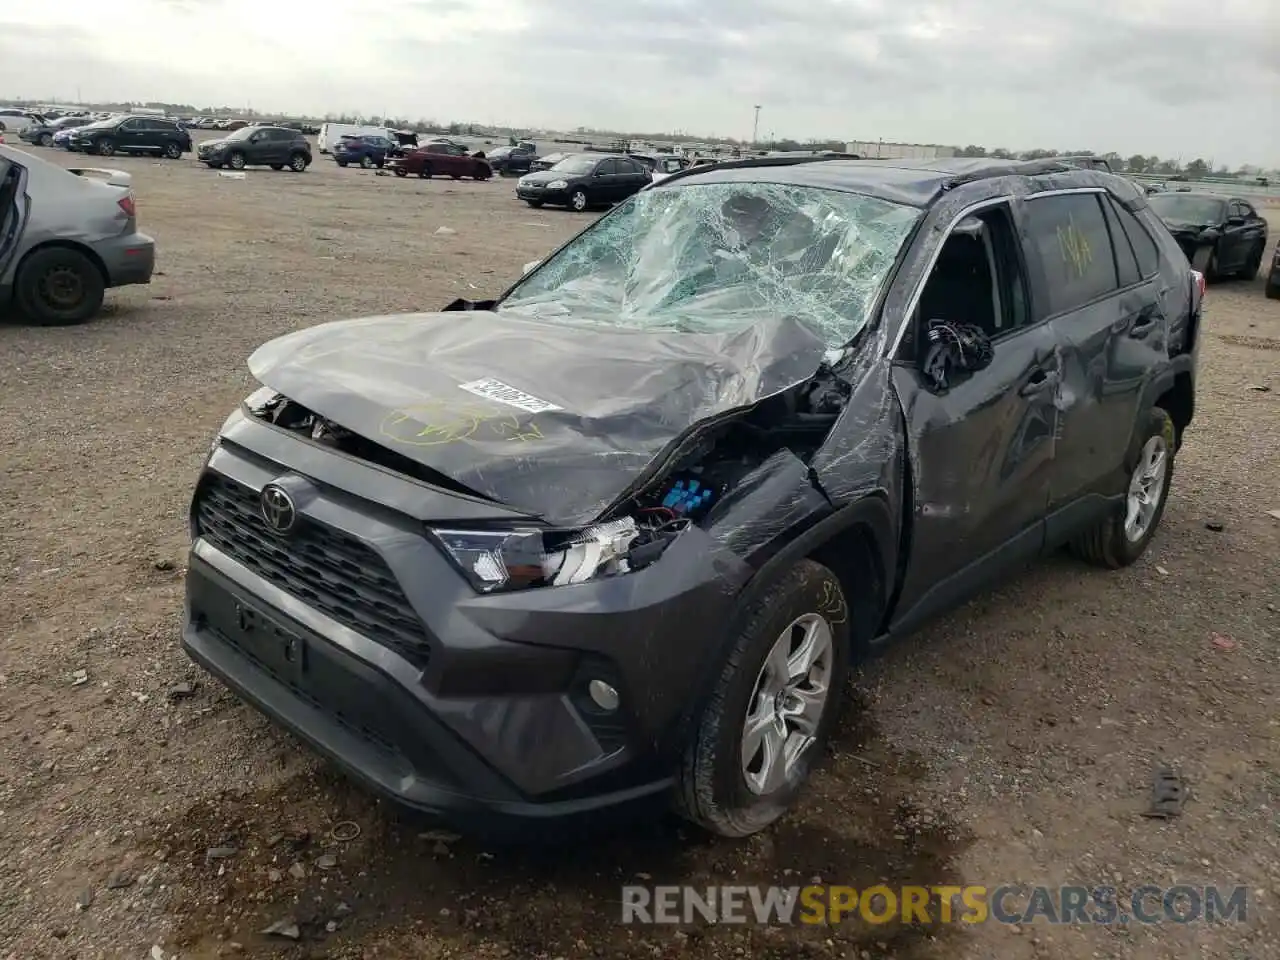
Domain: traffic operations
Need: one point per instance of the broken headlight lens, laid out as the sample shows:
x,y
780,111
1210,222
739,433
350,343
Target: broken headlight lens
x,y
495,560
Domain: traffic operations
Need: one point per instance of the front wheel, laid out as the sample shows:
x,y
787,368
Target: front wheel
x,y
1123,537
46,139
57,286
366,161
774,704
237,161
105,147
172,151
401,172
534,203
579,200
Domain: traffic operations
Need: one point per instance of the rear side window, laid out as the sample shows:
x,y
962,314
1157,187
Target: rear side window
x,y
1144,248
1069,232
1126,260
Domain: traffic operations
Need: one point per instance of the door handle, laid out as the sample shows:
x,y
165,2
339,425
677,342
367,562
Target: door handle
x,y
1142,327
1039,382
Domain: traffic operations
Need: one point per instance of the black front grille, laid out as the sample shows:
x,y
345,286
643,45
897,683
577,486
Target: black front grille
x,y
325,569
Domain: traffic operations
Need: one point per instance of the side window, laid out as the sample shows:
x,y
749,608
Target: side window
x,y
1237,210
1126,259
976,281
1249,212
131,125
607,168
1069,235
1144,247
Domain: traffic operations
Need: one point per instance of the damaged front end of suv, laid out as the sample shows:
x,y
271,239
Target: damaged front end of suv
x,y
491,559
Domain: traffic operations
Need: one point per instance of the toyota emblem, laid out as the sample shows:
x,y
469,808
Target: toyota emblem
x,y
278,509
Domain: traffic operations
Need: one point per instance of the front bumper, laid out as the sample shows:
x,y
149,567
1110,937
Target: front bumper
x,y
533,192
129,259
485,722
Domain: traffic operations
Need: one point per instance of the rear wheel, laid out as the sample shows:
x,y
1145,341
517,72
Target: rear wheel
x,y
46,139
773,706
1252,265
104,147
425,172
172,151
366,161
534,203
1273,284
1123,537
277,166
578,201
237,161
58,285
298,162
401,172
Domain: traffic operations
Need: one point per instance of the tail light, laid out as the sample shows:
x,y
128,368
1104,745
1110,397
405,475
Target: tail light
x,y
126,204
1198,279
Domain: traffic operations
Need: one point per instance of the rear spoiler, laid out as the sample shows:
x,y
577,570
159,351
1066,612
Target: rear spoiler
x,y
114,178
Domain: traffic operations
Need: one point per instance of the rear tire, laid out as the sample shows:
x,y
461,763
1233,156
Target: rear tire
x,y
366,161
1251,266
46,140
720,787
1123,537
298,162
57,286
277,166
1273,285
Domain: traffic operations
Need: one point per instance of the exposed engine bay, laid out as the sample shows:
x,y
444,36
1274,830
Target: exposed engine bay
x,y
705,465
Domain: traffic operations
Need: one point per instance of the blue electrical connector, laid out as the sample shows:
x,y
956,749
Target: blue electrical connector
x,y
686,497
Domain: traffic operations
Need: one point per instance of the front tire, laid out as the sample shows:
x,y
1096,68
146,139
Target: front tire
x,y
58,286
236,161
106,147
1273,284
773,707
1122,538
366,161
578,201
46,140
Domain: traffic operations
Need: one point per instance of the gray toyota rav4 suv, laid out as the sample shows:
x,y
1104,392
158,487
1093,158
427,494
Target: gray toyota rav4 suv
x,y
615,537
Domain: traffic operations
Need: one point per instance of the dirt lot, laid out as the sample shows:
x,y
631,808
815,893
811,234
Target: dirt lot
x,y
1011,742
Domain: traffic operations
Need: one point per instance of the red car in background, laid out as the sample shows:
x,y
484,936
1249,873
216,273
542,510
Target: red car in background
x,y
443,159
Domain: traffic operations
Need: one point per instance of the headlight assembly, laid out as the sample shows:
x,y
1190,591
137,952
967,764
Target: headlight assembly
x,y
558,185
494,560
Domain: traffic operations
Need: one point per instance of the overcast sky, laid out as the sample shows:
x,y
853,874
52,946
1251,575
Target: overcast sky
x,y
1170,77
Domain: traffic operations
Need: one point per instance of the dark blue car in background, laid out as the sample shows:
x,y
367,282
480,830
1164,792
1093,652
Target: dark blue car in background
x,y
369,151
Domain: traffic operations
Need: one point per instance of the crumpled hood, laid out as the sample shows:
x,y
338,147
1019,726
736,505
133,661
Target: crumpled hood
x,y
555,419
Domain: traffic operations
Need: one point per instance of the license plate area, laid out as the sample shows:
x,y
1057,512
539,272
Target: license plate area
x,y
247,626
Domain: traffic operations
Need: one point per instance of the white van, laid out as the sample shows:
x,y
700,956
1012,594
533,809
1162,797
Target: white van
x,y
331,133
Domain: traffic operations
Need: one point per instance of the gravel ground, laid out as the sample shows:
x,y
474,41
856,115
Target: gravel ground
x,y
141,805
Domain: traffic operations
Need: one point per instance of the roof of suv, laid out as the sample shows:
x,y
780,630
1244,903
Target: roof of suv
x,y
916,183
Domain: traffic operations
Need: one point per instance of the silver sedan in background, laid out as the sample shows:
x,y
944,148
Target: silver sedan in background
x,y
65,237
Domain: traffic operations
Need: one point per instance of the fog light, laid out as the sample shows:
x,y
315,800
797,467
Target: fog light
x,y
604,696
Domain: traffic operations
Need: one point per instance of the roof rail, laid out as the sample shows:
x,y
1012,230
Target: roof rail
x,y
749,162
1020,168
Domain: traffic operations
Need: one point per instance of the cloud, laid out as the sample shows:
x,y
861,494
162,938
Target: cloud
x,y
1150,76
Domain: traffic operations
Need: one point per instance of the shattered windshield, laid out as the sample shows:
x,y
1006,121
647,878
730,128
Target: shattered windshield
x,y
711,257
1187,208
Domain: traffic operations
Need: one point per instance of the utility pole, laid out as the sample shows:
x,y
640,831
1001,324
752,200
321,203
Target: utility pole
x,y
755,129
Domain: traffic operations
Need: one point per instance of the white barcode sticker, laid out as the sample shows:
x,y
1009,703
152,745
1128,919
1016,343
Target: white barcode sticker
x,y
492,389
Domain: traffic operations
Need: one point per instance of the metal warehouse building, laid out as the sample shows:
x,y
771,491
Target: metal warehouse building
x,y
879,149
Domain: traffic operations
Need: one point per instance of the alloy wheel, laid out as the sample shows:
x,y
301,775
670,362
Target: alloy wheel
x,y
788,703
1146,487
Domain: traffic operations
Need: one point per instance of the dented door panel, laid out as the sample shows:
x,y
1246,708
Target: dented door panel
x,y
981,464
1109,351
